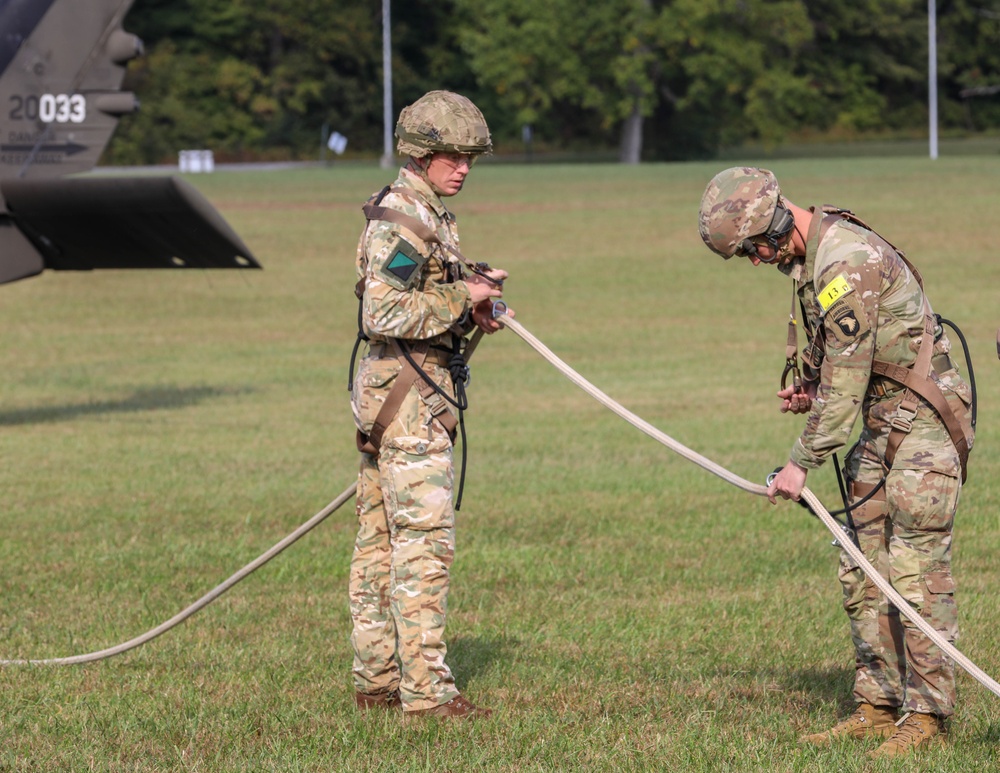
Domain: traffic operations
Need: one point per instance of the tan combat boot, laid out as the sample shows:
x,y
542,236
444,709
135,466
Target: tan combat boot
x,y
915,731
867,721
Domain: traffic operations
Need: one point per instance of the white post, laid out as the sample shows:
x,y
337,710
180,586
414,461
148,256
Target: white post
x,y
932,101
387,124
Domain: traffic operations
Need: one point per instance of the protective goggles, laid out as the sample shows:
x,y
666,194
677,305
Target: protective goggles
x,y
781,225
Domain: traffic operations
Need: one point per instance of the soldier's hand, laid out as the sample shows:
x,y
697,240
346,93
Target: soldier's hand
x,y
788,483
481,288
797,401
482,315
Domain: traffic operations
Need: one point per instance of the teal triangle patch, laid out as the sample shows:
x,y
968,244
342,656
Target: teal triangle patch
x,y
401,265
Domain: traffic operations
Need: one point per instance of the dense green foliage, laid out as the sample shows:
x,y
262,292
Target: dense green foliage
x,y
258,79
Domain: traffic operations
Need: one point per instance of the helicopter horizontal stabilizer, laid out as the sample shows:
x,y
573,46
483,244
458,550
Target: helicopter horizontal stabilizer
x,y
80,224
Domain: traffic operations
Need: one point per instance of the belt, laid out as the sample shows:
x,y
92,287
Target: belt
x,y
886,387
435,355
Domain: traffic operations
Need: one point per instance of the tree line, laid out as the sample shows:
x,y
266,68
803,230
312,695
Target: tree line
x,y
647,79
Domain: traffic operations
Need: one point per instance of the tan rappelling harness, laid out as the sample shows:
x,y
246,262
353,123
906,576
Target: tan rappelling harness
x,y
412,356
916,379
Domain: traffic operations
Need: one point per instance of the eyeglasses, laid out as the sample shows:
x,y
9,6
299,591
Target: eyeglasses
x,y
455,160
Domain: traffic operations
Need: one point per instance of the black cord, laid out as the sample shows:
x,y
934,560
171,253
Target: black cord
x,y
840,482
460,400
354,355
461,475
861,501
968,363
459,370
354,352
846,509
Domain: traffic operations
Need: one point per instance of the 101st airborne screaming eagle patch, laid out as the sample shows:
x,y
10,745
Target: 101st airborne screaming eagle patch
x,y
843,314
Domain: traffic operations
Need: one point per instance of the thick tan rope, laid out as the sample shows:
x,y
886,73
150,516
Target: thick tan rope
x,y
205,600
213,594
883,585
707,464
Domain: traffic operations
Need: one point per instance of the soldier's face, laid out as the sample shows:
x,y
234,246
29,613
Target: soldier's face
x,y
447,171
765,253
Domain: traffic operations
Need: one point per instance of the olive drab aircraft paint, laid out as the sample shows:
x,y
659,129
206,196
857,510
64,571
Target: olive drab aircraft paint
x,y
62,63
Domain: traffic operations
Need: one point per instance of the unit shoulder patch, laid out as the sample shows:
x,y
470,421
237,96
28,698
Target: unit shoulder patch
x,y
833,292
401,266
846,319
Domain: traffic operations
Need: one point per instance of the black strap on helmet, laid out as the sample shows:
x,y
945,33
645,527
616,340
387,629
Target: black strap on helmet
x,y
781,224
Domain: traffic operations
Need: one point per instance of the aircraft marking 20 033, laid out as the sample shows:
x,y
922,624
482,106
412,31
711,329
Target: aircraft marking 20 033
x,y
62,63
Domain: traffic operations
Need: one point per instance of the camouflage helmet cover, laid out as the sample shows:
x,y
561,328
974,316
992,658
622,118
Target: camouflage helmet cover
x,y
739,203
442,122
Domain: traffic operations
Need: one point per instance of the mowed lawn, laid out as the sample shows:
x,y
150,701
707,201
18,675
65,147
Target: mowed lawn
x,y
618,607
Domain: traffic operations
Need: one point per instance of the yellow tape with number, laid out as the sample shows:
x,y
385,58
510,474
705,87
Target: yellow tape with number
x,y
834,291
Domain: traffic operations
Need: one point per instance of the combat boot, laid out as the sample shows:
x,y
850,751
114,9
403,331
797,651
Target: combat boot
x,y
457,708
915,731
867,721
386,700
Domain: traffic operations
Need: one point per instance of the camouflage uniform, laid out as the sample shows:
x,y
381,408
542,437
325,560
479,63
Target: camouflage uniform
x,y
859,294
406,521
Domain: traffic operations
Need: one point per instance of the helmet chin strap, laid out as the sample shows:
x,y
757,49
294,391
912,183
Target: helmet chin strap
x,y
786,253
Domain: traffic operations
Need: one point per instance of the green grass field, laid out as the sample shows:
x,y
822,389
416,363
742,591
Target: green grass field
x,y
618,607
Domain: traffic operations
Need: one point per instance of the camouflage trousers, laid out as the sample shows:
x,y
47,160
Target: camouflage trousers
x,y
404,548
907,537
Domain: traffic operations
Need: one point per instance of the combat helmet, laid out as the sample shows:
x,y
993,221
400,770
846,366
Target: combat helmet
x,y
739,204
442,122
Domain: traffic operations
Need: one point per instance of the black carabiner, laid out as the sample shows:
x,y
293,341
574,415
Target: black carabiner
x,y
792,366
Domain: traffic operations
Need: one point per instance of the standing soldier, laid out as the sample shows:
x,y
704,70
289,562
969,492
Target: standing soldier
x,y
875,348
418,299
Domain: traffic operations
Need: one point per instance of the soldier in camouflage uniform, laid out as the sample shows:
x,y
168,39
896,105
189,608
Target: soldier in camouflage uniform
x,y
863,306
415,293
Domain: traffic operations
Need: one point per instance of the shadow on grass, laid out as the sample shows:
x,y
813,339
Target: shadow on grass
x,y
821,684
800,689
146,399
471,656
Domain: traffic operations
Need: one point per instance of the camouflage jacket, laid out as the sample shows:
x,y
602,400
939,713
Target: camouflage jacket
x,y
413,289
862,299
